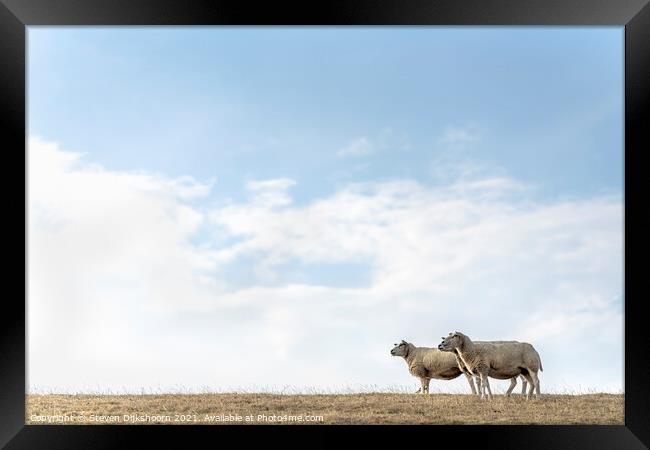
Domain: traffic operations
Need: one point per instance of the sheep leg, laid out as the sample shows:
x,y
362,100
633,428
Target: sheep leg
x,y
423,382
426,385
531,390
532,385
486,384
533,375
524,383
513,383
471,383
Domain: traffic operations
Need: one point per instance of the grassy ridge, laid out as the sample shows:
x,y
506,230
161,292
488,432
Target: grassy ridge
x,y
323,409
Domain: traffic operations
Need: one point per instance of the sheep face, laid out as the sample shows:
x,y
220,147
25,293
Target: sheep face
x,y
450,343
400,349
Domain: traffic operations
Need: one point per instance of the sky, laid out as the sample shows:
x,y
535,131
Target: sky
x,y
255,208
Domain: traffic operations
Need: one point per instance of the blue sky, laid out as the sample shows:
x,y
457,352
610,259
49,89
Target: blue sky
x,y
333,163
546,102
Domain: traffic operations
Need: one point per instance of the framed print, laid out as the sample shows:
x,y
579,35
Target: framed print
x,y
349,218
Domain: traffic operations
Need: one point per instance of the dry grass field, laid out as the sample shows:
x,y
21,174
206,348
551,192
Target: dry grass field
x,y
323,409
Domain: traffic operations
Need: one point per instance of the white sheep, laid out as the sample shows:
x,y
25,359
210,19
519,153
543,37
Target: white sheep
x,y
496,360
426,363
513,380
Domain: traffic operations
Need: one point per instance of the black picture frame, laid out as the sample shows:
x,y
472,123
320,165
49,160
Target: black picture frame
x,y
634,15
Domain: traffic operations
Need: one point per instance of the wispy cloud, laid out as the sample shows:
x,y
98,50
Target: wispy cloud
x,y
456,135
271,193
357,147
386,140
275,184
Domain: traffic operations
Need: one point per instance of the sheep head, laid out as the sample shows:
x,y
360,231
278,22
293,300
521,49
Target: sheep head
x,y
401,349
452,342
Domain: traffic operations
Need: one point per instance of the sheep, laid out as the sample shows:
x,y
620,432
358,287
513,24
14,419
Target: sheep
x,y
426,363
502,361
513,380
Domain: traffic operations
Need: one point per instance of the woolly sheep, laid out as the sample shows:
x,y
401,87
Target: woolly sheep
x,y
513,380
426,363
496,360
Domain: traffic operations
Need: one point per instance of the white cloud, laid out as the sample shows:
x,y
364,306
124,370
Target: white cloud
x,y
357,147
386,140
278,184
270,193
120,296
